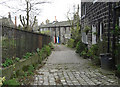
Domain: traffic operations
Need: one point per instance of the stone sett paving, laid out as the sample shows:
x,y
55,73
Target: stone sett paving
x,y
71,74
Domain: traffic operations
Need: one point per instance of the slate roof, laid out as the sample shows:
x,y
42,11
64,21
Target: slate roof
x,y
6,22
56,24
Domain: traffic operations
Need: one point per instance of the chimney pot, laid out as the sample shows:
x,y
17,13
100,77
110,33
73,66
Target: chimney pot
x,y
15,21
55,18
9,16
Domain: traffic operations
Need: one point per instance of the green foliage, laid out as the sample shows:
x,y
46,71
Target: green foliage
x,y
40,53
93,53
47,50
17,59
6,42
117,53
96,60
70,43
45,32
30,69
51,45
76,31
116,31
84,53
80,47
7,62
35,65
95,33
25,68
38,50
11,82
118,68
27,55
87,29
44,52
19,73
26,74
118,71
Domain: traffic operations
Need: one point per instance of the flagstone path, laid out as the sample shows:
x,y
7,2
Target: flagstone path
x,y
66,68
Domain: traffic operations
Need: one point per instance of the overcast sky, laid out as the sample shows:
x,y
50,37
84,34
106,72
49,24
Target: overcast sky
x,y
58,8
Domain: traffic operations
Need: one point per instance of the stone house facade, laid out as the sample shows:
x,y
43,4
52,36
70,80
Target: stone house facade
x,y
101,18
58,29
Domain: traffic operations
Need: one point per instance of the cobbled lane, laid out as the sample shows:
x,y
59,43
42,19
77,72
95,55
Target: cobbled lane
x,y
65,68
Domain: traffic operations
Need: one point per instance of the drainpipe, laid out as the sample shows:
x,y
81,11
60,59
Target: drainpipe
x,y
108,50
59,35
15,22
113,43
55,35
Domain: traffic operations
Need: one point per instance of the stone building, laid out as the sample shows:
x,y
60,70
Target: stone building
x,y
58,29
101,18
7,21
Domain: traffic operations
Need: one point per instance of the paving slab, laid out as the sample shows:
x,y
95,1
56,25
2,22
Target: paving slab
x,y
65,68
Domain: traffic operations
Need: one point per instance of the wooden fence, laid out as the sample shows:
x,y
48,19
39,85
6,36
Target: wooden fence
x,y
16,43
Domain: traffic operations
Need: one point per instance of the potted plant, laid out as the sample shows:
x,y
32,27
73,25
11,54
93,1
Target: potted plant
x,y
95,33
118,73
87,29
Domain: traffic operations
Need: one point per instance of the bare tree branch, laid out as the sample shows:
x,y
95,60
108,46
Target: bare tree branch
x,y
30,7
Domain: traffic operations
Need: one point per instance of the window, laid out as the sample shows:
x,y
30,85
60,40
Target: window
x,y
119,21
86,39
65,30
83,10
100,32
94,1
93,34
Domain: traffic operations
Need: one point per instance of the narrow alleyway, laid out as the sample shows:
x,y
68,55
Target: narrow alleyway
x,y
65,67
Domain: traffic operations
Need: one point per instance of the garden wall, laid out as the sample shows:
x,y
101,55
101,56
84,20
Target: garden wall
x,y
16,42
9,71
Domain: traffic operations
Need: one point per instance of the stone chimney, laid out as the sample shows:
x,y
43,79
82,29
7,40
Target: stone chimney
x,y
15,21
55,18
9,15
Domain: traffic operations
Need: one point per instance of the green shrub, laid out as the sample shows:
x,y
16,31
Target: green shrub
x,y
51,45
47,50
93,53
84,53
19,73
40,53
11,82
7,62
30,70
80,47
96,60
70,43
17,59
118,71
117,53
118,68
44,52
25,68
27,55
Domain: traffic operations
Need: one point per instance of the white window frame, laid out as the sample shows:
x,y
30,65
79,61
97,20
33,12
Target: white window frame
x,y
119,21
93,35
94,1
101,39
86,39
119,27
84,10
